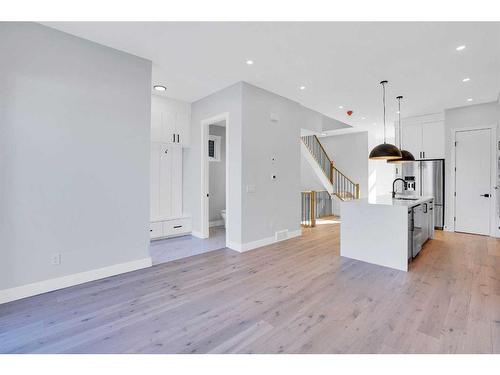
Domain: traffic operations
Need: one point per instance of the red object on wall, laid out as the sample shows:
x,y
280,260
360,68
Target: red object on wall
x,y
349,112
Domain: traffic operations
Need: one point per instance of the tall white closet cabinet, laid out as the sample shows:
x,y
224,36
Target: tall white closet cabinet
x,y
170,125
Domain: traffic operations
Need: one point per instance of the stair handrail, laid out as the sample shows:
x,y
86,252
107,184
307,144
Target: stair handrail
x,y
341,184
326,158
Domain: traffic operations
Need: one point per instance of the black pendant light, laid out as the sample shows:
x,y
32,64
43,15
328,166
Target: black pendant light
x,y
385,151
405,155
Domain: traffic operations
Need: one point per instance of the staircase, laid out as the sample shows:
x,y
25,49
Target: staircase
x,y
334,181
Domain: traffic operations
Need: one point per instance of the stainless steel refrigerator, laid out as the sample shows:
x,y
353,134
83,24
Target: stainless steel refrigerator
x,y
426,177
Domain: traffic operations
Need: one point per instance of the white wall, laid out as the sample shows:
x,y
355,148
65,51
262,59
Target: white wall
x,y
349,153
217,176
380,173
308,178
74,155
275,205
227,100
253,141
313,122
486,114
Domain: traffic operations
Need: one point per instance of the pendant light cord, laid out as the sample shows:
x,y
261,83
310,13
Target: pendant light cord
x,y
399,123
383,101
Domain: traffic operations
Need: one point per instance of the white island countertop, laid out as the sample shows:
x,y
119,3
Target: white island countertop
x,y
381,230
388,200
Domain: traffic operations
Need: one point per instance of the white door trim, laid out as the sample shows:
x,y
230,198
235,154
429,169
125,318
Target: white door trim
x,y
494,220
205,223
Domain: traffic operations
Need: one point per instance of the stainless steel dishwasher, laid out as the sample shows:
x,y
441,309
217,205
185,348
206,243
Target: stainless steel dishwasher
x,y
414,231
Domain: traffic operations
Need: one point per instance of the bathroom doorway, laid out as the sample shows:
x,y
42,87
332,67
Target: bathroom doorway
x,y
216,151
215,161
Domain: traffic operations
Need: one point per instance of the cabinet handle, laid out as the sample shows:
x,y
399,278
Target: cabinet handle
x,y
173,138
150,230
177,138
177,226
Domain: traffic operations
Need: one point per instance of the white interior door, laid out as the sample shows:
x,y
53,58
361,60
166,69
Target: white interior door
x,y
156,125
176,178
165,195
155,181
472,181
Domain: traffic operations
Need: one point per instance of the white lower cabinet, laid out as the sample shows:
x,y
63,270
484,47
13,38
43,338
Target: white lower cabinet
x,y
156,230
170,228
176,226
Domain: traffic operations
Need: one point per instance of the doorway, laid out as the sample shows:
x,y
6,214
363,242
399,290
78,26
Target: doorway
x,y
215,211
473,181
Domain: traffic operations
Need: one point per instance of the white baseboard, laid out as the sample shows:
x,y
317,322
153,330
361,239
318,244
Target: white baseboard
x,y
242,247
50,285
216,223
197,234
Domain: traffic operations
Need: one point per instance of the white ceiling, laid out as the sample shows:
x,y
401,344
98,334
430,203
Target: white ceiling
x,y
339,63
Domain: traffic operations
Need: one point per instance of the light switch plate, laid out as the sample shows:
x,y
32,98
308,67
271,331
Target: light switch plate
x,y
274,117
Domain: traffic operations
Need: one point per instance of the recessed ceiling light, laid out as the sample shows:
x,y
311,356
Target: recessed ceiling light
x,y
460,48
363,118
249,62
466,79
160,88
397,112
323,134
302,87
470,100
341,106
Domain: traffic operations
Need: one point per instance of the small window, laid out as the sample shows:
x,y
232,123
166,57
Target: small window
x,y
214,148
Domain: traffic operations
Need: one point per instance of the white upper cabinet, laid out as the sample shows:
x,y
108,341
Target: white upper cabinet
x,y
423,136
170,121
412,139
433,140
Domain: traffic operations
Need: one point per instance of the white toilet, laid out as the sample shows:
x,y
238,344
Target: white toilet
x,y
223,214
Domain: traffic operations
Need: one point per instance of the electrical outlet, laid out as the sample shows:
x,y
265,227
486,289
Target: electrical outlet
x,y
55,259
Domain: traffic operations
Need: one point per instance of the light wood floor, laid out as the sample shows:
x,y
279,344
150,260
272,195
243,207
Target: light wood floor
x,y
297,296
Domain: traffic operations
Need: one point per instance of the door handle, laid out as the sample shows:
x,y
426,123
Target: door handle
x,y
485,195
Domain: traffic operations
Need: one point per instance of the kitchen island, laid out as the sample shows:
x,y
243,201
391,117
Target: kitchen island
x,y
384,230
